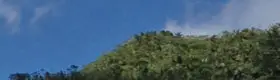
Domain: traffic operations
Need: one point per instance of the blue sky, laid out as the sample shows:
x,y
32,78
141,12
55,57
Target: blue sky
x,y
54,34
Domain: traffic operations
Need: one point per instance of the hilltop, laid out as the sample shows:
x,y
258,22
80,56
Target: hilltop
x,y
247,54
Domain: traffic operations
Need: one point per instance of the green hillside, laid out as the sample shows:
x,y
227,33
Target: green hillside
x,y
248,54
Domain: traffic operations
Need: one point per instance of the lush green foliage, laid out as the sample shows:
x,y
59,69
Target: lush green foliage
x,y
248,54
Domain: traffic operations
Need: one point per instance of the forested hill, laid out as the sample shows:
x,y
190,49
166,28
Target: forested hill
x,y
248,54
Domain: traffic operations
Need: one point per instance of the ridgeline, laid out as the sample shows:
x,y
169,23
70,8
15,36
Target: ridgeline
x,y
247,54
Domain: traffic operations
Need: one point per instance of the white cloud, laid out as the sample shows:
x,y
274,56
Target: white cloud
x,y
236,14
11,12
186,29
39,12
11,16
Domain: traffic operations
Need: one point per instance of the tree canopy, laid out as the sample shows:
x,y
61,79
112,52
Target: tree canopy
x,y
247,54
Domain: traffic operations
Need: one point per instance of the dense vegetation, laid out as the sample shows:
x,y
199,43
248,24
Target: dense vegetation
x,y
248,54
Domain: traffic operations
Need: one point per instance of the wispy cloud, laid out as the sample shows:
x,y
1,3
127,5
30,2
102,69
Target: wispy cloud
x,y
39,12
236,14
11,12
11,16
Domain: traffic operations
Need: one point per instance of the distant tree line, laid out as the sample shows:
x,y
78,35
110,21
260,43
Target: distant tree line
x,y
71,73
